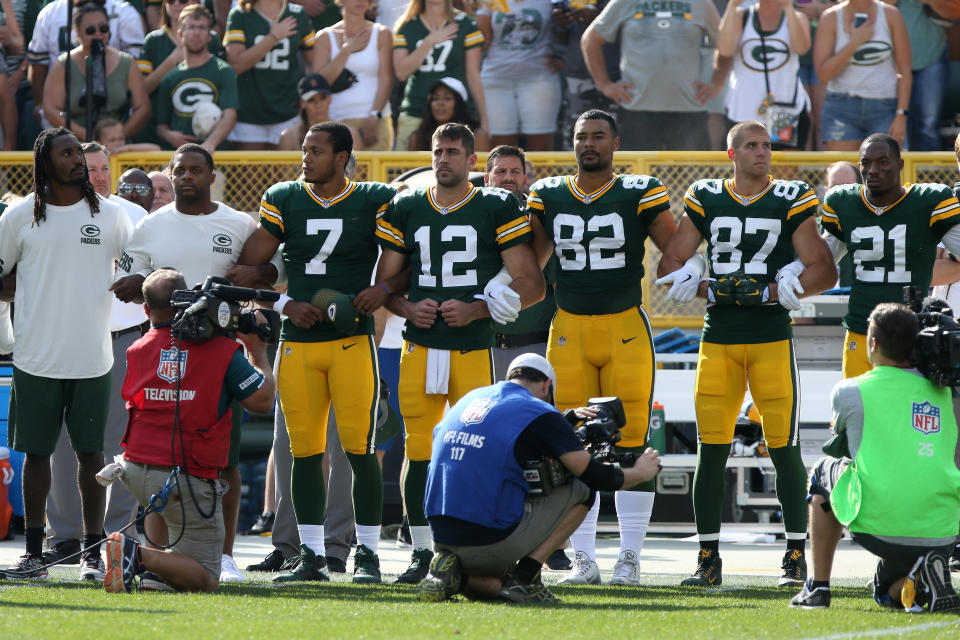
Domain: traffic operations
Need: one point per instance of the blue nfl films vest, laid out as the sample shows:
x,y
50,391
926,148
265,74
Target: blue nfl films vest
x,y
474,475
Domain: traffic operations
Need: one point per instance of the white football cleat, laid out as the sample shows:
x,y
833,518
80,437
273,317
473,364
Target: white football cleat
x,y
584,571
627,569
229,571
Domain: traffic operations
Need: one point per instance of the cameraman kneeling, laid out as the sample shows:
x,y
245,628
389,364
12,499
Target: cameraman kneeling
x,y
491,537
897,485
207,375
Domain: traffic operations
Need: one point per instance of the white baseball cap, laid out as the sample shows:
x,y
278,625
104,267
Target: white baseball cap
x,y
454,85
534,361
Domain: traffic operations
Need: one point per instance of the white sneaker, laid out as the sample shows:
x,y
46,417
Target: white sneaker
x,y
229,571
627,569
92,567
583,571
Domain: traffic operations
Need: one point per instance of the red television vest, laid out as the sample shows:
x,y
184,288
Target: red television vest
x,y
150,392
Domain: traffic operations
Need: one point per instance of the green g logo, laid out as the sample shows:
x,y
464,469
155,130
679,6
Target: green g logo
x,y
755,52
871,53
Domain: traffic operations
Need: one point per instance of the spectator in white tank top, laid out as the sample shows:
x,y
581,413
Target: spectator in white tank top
x,y
364,48
867,71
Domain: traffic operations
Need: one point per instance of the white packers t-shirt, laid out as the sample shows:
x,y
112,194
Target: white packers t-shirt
x,y
195,245
65,265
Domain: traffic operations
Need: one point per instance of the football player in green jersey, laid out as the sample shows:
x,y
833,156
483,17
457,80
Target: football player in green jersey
x,y
600,342
754,225
892,230
264,41
455,238
327,355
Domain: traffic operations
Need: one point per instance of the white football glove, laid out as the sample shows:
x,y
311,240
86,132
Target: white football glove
x,y
503,303
685,281
789,288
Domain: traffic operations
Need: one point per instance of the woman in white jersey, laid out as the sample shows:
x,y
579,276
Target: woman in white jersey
x,y
766,42
866,65
364,48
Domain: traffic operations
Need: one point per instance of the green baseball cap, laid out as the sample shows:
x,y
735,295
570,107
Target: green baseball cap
x,y
338,310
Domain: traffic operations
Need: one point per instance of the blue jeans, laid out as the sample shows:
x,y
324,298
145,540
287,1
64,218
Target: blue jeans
x,y
851,118
926,101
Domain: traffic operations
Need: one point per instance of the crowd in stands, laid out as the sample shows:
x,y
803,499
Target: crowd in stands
x,y
677,73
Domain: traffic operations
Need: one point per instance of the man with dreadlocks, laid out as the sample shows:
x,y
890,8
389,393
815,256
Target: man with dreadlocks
x,y
63,239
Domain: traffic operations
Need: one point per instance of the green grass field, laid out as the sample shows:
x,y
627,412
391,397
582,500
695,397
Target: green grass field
x,y
744,607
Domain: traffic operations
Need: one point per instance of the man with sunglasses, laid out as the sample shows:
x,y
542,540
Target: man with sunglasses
x,y
127,323
135,186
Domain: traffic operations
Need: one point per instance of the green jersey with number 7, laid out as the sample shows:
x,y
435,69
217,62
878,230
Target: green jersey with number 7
x,y
753,236
892,246
327,244
598,238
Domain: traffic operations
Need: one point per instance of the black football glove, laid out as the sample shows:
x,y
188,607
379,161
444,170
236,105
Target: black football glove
x,y
749,292
721,290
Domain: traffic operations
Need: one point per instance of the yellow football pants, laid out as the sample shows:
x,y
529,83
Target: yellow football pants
x,y
422,411
723,373
856,360
605,355
312,375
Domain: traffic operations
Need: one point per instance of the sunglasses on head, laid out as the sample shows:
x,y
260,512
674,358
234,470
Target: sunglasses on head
x,y
104,27
128,189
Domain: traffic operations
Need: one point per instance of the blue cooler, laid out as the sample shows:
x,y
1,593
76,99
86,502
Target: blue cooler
x,y
15,490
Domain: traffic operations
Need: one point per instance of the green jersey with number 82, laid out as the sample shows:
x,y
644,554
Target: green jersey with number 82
x,y
328,244
891,247
754,236
453,251
270,86
598,238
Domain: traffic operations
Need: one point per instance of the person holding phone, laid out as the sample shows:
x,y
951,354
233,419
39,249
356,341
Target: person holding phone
x,y
862,52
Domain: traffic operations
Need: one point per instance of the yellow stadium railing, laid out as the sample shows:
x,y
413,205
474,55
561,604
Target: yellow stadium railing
x,y
243,176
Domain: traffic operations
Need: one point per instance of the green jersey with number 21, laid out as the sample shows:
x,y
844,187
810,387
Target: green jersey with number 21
x,y
891,246
328,244
753,235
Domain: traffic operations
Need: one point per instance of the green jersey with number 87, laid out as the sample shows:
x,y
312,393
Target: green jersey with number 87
x,y
446,60
328,244
598,238
892,246
270,86
754,236
453,251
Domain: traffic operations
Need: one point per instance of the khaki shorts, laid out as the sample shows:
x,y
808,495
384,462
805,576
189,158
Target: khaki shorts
x,y
202,538
406,125
540,517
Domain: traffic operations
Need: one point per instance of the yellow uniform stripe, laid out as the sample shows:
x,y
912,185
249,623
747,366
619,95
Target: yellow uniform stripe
x,y
690,204
399,40
271,218
516,234
309,38
535,205
827,209
643,206
145,66
383,224
269,207
389,238
512,223
511,230
812,204
946,209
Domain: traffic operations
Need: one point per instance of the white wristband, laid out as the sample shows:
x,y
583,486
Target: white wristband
x,y
281,303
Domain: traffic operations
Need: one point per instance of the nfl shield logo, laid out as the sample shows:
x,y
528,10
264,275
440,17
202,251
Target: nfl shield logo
x,y
168,365
926,418
477,410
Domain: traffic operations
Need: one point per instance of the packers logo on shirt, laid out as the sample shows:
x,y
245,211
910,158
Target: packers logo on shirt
x,y
871,53
189,93
222,243
89,233
754,52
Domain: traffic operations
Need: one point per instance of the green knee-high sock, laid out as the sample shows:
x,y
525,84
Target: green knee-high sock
x,y
791,487
710,486
307,492
367,488
414,489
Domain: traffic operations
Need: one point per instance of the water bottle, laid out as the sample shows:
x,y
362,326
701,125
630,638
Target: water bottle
x,y
658,434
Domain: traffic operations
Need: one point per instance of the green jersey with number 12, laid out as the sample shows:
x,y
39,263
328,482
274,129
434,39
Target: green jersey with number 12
x,y
598,238
453,251
892,246
328,244
752,235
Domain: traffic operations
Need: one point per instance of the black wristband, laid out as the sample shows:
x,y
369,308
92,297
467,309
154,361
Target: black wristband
x,y
602,477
